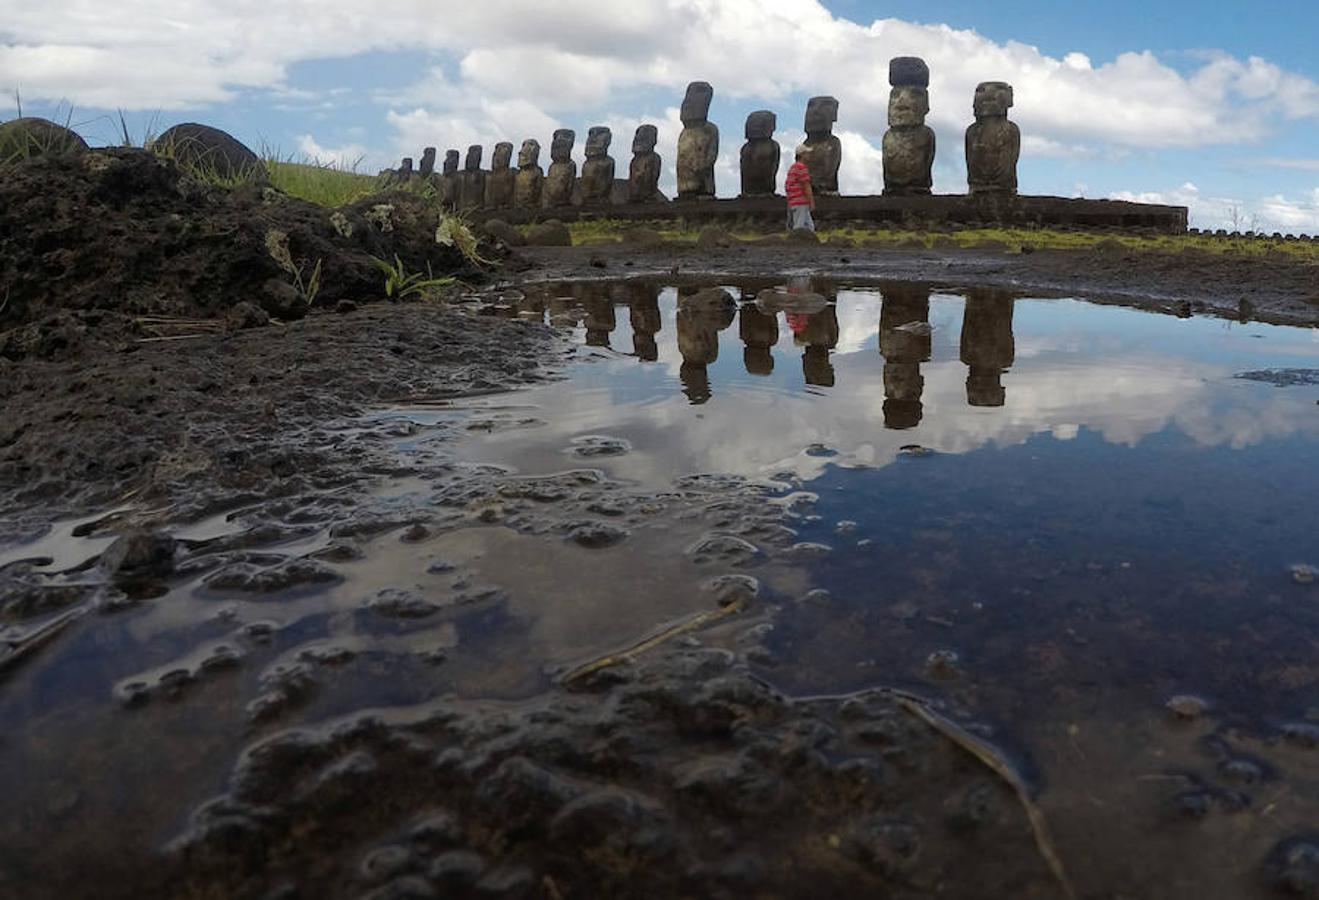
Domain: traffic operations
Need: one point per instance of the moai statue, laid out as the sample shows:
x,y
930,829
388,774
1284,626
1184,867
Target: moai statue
x,y
644,172
702,314
405,170
698,144
427,163
472,186
527,184
598,171
909,142
993,144
499,184
905,343
760,155
563,171
988,347
450,180
826,150
820,336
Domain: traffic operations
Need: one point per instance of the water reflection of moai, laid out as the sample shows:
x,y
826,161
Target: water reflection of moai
x,y
529,180
904,342
702,314
759,332
988,347
500,183
598,171
562,175
644,172
760,155
826,150
820,337
644,316
600,320
472,186
993,144
698,144
427,167
449,180
909,143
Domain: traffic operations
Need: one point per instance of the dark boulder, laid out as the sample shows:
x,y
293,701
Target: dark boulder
x,y
201,149
32,136
549,234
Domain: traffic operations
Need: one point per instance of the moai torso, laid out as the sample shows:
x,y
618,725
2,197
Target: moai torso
x,y
760,155
644,314
472,189
598,171
562,175
499,184
909,143
644,172
529,180
993,144
449,180
826,150
698,144
988,347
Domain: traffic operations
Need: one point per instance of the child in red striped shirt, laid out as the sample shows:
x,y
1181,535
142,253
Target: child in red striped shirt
x,y
801,200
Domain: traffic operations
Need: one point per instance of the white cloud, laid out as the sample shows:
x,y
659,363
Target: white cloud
x,y
349,157
1264,214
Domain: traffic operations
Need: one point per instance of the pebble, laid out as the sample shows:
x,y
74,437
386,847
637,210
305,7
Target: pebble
x,y
1186,706
1303,574
943,664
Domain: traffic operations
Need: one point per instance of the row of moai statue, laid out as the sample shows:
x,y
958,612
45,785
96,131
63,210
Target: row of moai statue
x,y
530,187
993,148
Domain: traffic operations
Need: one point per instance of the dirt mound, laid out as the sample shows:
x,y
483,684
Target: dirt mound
x,y
95,241
30,136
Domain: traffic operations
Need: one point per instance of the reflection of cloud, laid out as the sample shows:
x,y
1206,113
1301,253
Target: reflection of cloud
x,y
1122,374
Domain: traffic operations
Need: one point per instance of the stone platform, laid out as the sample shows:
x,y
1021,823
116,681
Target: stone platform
x,y
915,212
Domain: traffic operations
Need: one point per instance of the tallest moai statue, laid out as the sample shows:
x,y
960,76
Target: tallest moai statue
x,y
698,145
909,142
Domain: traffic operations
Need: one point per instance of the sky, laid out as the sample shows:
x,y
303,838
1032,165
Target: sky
x,y
1214,106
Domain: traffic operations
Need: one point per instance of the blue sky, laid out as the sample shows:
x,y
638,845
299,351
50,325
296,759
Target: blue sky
x,y
1214,106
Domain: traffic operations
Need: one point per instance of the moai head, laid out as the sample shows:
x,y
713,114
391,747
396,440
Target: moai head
x,y
645,139
406,168
561,146
473,162
908,106
821,114
597,142
529,155
761,124
993,99
502,156
428,160
696,104
450,162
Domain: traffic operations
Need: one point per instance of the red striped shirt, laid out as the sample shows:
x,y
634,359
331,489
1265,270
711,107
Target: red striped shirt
x,y
799,179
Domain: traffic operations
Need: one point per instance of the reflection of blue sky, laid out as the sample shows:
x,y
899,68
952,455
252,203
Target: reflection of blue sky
x,y
1124,374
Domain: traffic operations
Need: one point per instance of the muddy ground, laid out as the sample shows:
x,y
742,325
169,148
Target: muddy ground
x,y
679,776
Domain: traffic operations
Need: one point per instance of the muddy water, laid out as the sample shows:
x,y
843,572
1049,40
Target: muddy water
x,y
1049,516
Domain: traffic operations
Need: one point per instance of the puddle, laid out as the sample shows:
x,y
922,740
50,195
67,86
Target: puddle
x,y
1050,515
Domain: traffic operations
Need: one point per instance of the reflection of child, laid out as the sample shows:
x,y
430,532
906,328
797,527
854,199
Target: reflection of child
x,y
798,322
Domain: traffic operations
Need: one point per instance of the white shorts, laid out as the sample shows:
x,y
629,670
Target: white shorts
x,y
800,217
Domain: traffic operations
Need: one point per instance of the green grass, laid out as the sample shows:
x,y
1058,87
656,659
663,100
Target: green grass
x,y
325,185
1010,240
